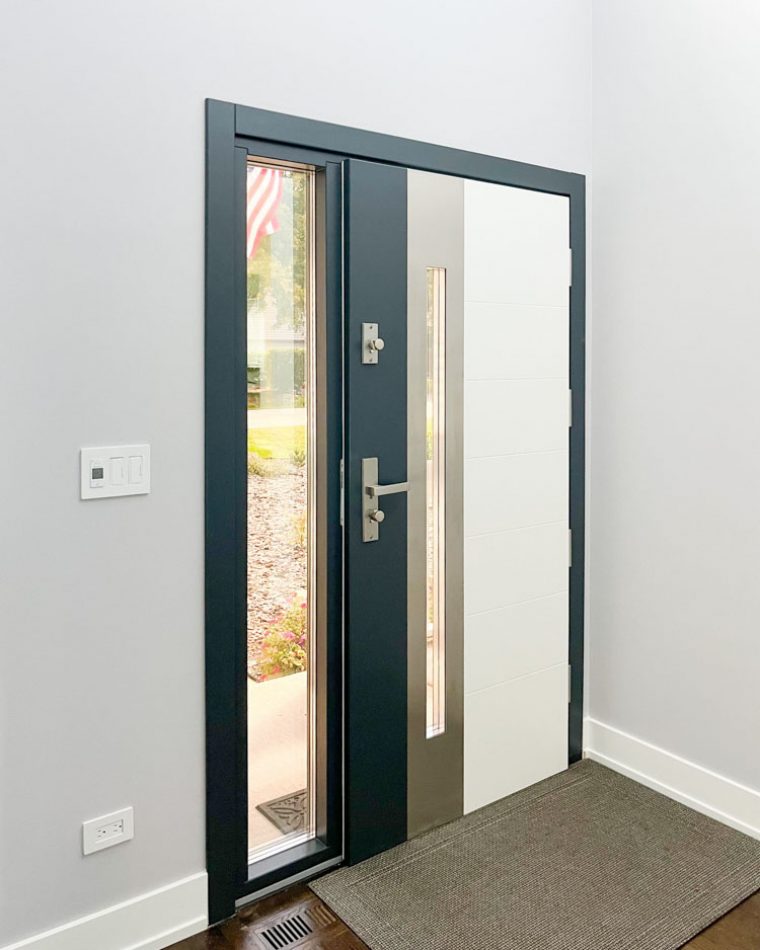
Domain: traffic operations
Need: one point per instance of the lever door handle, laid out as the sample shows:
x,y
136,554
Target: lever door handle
x,y
376,490
372,516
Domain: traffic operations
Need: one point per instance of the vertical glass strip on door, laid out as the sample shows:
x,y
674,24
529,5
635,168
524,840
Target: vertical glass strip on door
x,y
435,346
435,420
281,515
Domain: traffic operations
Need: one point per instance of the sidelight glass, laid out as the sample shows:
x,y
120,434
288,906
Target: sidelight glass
x,y
436,499
280,410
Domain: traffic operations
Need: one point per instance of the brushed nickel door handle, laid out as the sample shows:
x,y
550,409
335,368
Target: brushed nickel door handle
x,y
372,516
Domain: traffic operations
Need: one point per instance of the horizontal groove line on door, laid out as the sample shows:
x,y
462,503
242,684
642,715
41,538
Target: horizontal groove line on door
x,y
561,664
522,527
491,534
512,455
518,303
509,455
515,379
516,603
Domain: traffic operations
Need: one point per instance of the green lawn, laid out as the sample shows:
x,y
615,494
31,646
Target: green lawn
x,y
277,442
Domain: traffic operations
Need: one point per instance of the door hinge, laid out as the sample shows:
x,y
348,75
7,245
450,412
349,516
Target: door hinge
x,y
570,408
570,267
569,683
342,492
569,547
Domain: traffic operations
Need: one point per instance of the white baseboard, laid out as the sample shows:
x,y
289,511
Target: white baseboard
x,y
707,792
151,921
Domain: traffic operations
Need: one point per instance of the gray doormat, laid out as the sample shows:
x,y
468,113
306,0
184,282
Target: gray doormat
x,y
586,860
287,813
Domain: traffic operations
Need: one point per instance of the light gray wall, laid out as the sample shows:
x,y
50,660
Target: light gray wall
x,y
675,522
102,281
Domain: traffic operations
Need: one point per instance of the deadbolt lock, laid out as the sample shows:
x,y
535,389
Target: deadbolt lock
x,y
372,344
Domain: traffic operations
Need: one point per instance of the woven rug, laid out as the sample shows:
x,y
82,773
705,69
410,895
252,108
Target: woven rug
x,y
586,860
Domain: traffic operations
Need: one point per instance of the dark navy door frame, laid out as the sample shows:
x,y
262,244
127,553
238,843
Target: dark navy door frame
x,y
232,133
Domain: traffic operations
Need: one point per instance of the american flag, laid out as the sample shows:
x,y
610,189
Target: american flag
x,y
264,193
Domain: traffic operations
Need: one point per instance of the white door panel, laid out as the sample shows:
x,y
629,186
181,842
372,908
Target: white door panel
x,y
513,566
516,481
516,245
515,735
531,489
521,639
515,341
507,416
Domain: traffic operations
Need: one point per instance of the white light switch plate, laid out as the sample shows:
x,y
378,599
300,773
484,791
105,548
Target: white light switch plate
x,y
108,830
108,471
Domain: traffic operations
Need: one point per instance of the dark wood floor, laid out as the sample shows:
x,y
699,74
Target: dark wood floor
x,y
296,918
739,930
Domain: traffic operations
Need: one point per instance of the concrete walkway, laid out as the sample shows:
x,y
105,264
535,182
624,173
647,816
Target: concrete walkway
x,y
271,418
278,729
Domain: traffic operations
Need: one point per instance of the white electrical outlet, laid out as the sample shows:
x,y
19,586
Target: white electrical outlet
x,y
108,830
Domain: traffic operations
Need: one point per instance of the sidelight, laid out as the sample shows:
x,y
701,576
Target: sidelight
x,y
281,507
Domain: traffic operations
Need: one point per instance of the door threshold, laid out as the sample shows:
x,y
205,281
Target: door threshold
x,y
276,847
305,875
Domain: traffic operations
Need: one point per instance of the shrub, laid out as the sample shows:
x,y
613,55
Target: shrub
x,y
265,467
298,457
283,649
257,465
299,529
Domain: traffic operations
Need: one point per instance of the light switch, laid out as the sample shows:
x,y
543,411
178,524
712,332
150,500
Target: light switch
x,y
118,472
110,471
135,469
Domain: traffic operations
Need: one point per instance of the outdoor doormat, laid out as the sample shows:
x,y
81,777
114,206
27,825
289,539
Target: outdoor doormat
x,y
586,860
287,813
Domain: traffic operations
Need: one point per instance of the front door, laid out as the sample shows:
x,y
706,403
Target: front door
x,y
457,301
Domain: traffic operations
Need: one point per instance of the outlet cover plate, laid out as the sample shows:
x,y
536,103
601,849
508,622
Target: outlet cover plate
x,y
108,830
109,471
